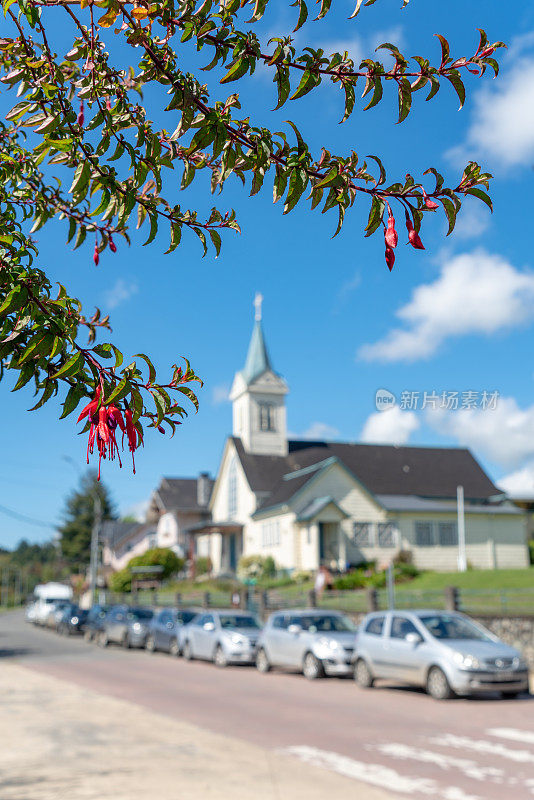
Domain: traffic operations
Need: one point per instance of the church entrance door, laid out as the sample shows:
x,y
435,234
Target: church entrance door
x,y
328,543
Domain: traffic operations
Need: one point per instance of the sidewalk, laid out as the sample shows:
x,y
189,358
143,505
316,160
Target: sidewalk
x,y
62,742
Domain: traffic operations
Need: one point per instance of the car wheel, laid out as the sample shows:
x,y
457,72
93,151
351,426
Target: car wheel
x,y
219,657
437,685
87,636
103,640
174,648
262,662
362,674
312,667
187,651
126,642
150,644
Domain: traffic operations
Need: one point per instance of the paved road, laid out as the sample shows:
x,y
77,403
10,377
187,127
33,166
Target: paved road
x,y
396,739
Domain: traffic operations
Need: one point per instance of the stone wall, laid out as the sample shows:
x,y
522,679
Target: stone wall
x,y
516,631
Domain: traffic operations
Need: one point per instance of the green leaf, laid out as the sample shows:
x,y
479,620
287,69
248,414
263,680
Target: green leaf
x,y
216,241
46,395
375,215
27,372
481,196
303,14
308,82
189,394
81,178
153,227
236,71
457,82
120,391
151,368
74,395
16,299
71,367
405,98
451,212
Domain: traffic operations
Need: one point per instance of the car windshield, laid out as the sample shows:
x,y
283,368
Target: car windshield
x,y
331,622
238,621
141,613
183,617
449,626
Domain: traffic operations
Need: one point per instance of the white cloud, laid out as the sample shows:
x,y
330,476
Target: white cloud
x,y
473,220
520,483
504,435
220,394
393,426
138,510
320,431
359,48
476,293
119,293
502,122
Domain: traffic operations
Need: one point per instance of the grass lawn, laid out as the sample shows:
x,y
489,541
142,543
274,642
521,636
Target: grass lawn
x,y
473,579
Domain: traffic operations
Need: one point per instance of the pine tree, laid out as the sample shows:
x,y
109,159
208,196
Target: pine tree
x,y
75,532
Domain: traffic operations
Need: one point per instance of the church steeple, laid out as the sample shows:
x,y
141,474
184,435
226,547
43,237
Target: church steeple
x,y
258,396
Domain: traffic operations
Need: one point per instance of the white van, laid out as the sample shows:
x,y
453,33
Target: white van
x,y
46,595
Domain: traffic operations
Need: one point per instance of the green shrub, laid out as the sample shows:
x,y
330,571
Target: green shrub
x,y
121,581
303,576
352,580
158,557
531,550
256,567
404,557
203,565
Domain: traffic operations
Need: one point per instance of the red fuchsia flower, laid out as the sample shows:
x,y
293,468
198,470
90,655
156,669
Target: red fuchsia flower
x,y
131,433
108,104
115,414
90,408
390,257
430,204
413,236
96,256
81,117
390,234
112,245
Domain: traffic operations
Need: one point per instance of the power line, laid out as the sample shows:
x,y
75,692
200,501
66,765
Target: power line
x,y
23,518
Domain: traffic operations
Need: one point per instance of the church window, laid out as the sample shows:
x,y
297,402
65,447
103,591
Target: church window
x,y
362,534
267,417
386,535
232,490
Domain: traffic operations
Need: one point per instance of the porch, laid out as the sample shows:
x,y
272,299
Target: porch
x,y
221,542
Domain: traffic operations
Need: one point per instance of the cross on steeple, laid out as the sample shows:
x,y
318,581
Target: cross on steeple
x,y
258,300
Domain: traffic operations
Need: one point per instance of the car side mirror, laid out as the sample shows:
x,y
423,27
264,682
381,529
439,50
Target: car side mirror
x,y
209,626
294,629
413,639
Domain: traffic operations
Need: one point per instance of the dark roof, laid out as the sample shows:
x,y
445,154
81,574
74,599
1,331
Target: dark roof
x,y
434,472
181,493
114,531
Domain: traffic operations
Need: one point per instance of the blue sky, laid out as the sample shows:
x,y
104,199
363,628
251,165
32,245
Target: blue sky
x,y
456,317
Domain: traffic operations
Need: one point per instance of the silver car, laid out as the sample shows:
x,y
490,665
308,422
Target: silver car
x,y
444,652
317,642
224,637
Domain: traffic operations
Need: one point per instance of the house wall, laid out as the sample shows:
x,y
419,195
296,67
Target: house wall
x,y
118,557
167,530
284,549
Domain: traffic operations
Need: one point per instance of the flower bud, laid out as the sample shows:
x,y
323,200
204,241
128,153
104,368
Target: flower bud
x,y
96,256
390,257
81,117
112,245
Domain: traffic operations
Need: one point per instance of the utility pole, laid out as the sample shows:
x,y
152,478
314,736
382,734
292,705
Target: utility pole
x,y
5,586
95,539
462,557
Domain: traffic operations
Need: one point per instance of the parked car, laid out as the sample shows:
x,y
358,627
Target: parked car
x,y
55,611
445,652
94,622
224,637
71,620
126,626
46,594
317,642
164,631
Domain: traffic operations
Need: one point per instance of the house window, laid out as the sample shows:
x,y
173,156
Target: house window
x,y
447,534
362,534
270,534
386,535
267,417
424,534
232,490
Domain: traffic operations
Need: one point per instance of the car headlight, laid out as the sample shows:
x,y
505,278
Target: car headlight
x,y
520,663
467,661
74,620
137,627
235,638
330,643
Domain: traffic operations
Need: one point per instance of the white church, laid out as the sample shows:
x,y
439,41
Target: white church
x,y
308,503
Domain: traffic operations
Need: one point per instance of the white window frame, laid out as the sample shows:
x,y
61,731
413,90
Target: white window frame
x,y
267,417
370,533
384,528
232,489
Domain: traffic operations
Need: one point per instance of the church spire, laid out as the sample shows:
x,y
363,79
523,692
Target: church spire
x,y
258,360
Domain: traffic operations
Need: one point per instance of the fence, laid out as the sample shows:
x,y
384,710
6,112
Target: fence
x,y
478,602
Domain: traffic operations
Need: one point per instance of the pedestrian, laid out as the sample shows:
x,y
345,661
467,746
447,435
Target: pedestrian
x,y
320,581
235,599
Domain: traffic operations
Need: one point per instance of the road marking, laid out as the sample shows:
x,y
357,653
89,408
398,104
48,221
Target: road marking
x,y
469,768
482,746
512,733
376,774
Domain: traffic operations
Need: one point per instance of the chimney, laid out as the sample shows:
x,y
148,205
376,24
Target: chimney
x,y
203,489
